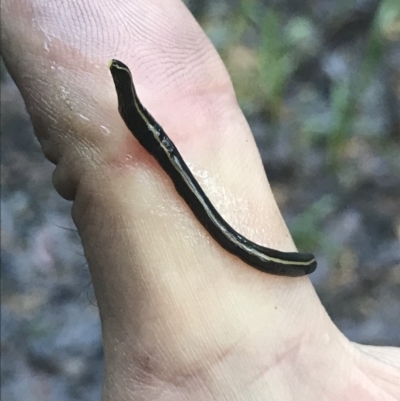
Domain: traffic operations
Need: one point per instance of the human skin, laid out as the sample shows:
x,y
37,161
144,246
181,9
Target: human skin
x,y
181,318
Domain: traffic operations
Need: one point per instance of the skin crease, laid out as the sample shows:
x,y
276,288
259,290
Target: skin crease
x,y
181,318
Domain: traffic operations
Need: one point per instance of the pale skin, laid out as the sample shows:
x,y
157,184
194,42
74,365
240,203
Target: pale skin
x,y
181,318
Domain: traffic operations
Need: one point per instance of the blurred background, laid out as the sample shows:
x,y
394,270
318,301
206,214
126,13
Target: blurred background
x,y
319,82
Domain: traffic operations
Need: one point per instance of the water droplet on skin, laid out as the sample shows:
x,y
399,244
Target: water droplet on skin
x,y
83,117
64,92
105,130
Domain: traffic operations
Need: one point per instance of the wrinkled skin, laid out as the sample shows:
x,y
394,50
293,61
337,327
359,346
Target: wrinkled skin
x,y
181,318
